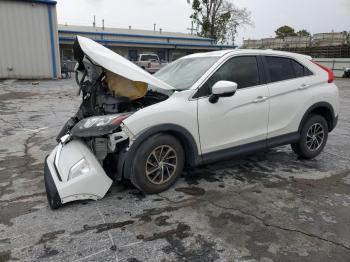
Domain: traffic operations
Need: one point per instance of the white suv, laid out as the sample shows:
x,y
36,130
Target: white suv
x,y
199,109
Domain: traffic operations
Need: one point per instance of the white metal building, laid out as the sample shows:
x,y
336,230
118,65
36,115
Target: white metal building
x,y
28,39
130,42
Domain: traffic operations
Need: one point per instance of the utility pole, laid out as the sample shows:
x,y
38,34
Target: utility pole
x,y
192,29
154,27
94,22
103,24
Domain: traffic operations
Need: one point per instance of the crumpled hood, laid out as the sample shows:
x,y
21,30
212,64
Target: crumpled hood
x,y
118,64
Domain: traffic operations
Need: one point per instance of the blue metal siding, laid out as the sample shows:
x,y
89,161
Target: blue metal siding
x,y
52,43
134,35
151,43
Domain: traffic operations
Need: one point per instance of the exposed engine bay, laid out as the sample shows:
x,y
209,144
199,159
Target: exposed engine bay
x,y
105,93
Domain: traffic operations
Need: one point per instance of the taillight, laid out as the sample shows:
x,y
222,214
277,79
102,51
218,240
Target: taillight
x,y
328,70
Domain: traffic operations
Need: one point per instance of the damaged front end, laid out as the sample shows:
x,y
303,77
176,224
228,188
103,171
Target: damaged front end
x,y
75,169
84,164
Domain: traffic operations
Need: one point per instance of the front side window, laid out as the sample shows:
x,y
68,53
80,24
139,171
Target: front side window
x,y
242,70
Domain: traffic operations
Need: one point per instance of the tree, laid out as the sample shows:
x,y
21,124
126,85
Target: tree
x,y
285,31
219,19
303,32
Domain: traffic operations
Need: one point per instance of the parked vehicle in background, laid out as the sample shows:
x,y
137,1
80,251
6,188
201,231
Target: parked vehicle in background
x,y
346,73
65,73
149,62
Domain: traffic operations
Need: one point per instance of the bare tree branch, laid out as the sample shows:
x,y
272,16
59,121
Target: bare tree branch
x,y
219,19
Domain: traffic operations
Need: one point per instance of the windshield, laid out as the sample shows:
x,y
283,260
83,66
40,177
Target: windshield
x,y
183,73
149,57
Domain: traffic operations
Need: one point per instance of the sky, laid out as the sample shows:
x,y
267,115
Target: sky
x,y
316,16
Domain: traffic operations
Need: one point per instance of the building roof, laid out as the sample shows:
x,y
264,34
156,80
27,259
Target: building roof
x,y
129,32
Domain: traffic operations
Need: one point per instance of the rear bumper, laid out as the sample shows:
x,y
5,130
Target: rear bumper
x,y
62,187
152,70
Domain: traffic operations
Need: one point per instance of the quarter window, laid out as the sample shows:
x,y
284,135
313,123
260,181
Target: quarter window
x,y
243,70
300,70
280,68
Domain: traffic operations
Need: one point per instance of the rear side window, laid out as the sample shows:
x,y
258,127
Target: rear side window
x,y
279,68
300,70
243,70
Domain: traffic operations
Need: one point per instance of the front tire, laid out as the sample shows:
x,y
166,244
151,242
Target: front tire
x,y
158,162
313,137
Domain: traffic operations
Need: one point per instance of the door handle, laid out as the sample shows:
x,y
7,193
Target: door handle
x,y
260,99
303,87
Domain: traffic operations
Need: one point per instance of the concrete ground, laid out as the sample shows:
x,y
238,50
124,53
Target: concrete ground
x,y
270,206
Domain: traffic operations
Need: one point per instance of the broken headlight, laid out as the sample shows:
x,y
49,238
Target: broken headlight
x,y
98,125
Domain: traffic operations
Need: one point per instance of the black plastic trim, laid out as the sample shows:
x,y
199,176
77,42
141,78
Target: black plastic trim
x,y
53,197
56,169
250,148
232,152
327,105
335,122
262,70
283,140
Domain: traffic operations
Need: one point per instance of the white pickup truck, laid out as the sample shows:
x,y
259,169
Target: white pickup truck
x,y
149,62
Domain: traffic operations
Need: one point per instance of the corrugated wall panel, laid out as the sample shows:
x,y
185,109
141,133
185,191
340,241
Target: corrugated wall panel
x,y
25,44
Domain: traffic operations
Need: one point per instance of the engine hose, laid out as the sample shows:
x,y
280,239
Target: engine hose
x,y
81,81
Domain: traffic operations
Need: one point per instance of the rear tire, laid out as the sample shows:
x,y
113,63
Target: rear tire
x,y
313,137
158,162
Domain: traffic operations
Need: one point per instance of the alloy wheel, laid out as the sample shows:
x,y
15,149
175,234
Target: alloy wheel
x,y
161,164
315,136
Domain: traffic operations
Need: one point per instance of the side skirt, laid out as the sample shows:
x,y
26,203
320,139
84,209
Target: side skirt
x,y
249,148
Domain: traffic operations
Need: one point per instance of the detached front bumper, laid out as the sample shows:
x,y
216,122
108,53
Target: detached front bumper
x,y
72,172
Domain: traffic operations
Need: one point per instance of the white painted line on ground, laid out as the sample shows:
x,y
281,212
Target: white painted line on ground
x,y
109,234
80,259
131,244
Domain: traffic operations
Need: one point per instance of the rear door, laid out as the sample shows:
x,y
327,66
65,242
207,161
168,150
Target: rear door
x,y
239,119
290,88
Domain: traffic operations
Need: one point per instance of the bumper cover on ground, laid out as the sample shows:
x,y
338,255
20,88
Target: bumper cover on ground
x,y
61,187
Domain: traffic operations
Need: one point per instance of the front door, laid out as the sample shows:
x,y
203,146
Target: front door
x,y
237,120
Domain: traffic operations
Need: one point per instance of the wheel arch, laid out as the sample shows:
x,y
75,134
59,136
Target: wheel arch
x,y
192,157
324,109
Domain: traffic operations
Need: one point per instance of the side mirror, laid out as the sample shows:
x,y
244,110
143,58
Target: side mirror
x,y
222,89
